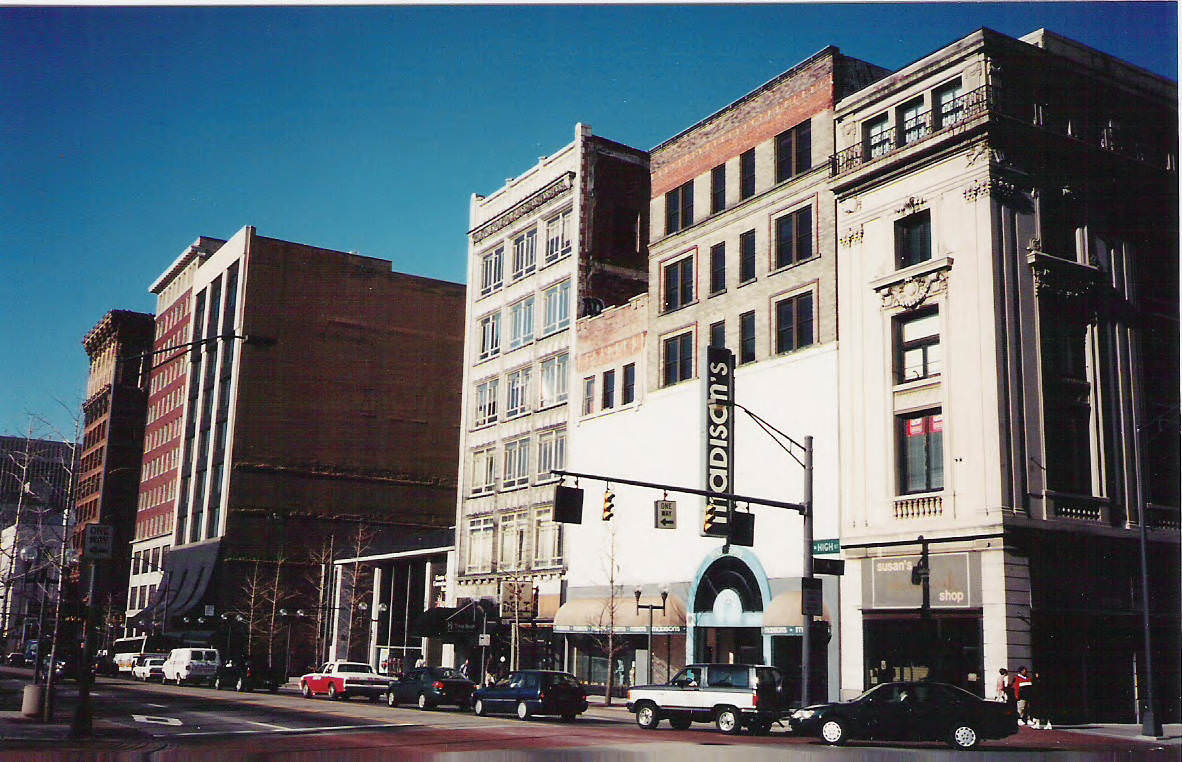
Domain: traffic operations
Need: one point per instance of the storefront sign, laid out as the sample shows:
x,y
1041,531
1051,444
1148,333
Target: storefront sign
x,y
720,434
949,583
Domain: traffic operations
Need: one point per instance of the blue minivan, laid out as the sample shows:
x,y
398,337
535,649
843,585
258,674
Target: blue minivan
x,y
532,691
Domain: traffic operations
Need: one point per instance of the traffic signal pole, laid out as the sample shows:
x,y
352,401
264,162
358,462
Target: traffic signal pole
x,y
806,641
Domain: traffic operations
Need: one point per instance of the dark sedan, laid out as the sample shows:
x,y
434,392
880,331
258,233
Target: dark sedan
x,y
243,675
530,692
429,687
909,712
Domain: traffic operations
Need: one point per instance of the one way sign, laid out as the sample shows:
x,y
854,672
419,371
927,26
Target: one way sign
x,y
665,514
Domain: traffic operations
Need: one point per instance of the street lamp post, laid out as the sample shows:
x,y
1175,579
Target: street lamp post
x,y
651,608
382,608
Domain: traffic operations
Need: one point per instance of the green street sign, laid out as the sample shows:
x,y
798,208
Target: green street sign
x,y
821,547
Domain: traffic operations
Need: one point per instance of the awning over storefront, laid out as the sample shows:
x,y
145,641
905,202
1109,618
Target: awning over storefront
x,y
185,578
451,624
595,615
782,616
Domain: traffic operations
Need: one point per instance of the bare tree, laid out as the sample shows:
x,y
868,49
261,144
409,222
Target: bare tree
x,y
603,626
318,577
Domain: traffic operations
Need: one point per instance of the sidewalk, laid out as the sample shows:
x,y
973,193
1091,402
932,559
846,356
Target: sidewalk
x,y
1172,733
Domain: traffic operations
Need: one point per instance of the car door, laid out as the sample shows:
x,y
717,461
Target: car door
x,y
686,685
932,708
408,686
500,693
884,713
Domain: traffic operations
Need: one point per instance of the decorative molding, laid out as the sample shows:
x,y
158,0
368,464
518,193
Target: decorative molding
x,y
1060,278
976,152
913,204
851,205
525,207
852,236
914,291
991,186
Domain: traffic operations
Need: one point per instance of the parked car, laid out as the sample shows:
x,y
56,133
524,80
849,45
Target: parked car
x,y
429,687
532,691
242,675
732,696
16,659
148,668
191,665
344,679
909,711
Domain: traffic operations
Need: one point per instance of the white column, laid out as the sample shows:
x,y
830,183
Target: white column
x,y
375,615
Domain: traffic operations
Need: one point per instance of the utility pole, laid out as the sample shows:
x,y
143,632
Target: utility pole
x,y
83,724
806,640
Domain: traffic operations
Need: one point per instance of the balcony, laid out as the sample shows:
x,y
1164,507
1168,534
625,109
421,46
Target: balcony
x,y
924,506
1070,507
916,129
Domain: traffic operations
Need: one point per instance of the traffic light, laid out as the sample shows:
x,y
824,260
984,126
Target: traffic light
x,y
711,517
609,505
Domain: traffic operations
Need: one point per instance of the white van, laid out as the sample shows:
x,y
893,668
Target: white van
x,y
191,665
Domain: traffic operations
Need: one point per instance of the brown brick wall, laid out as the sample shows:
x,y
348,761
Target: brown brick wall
x,y
743,125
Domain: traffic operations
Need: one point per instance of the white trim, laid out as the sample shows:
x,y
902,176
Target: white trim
x,y
399,554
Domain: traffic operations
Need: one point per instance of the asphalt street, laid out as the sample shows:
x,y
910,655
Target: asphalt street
x,y
164,722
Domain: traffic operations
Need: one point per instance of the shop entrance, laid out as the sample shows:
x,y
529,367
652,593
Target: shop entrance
x,y
731,645
944,648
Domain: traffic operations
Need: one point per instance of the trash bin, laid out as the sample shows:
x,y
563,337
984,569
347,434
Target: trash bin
x,y
31,705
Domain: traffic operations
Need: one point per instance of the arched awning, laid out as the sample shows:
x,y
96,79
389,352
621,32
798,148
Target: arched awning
x,y
595,615
783,617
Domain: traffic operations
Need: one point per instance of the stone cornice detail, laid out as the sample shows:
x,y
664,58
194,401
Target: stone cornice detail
x,y
990,186
851,236
525,207
908,290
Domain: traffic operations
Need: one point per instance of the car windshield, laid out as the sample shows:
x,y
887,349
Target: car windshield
x,y
155,662
348,667
883,688
446,673
562,678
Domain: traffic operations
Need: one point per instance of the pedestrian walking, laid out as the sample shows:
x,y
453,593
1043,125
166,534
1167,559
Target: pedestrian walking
x,y
1022,685
1002,688
1036,703
466,669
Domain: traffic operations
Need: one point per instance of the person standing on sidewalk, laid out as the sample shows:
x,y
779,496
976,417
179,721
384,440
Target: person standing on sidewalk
x,y
1021,691
1001,692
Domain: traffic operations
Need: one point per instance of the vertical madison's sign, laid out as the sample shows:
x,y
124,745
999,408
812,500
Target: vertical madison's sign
x,y
720,435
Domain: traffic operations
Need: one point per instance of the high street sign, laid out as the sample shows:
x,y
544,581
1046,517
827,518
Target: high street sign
x,y
822,547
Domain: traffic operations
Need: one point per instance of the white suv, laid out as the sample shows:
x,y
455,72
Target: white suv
x,y
732,696
191,665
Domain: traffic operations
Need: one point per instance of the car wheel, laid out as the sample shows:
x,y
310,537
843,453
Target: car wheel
x,y
478,707
647,715
727,720
332,692
391,699
680,723
963,736
522,711
305,691
833,732
424,704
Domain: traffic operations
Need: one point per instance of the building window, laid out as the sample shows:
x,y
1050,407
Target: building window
x,y
521,323
678,358
557,307
679,208
921,452
490,335
747,337
609,390
512,550
517,402
794,151
917,346
547,539
480,540
747,174
555,371
628,384
486,402
877,136
747,256
558,237
492,267
516,471
718,268
914,121
913,239
794,237
679,284
718,334
949,104
589,395
525,252
551,452
718,189
484,471
794,323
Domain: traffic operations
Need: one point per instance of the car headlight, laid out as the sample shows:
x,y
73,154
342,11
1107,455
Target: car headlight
x,y
803,714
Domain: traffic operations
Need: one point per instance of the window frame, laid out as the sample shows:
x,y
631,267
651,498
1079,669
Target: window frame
x,y
683,268
933,473
747,174
913,121
588,395
490,335
494,261
628,384
517,387
906,229
940,115
683,366
548,537
558,367
551,452
557,299
922,344
747,337
515,471
794,299
796,242
790,145
484,471
718,268
679,208
877,138
560,245
522,322
718,189
607,391
747,258
486,397
525,253
720,326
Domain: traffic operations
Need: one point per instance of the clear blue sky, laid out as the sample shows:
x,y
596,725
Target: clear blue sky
x,y
125,133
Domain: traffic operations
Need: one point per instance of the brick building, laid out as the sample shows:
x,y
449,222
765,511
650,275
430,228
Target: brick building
x,y
320,408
